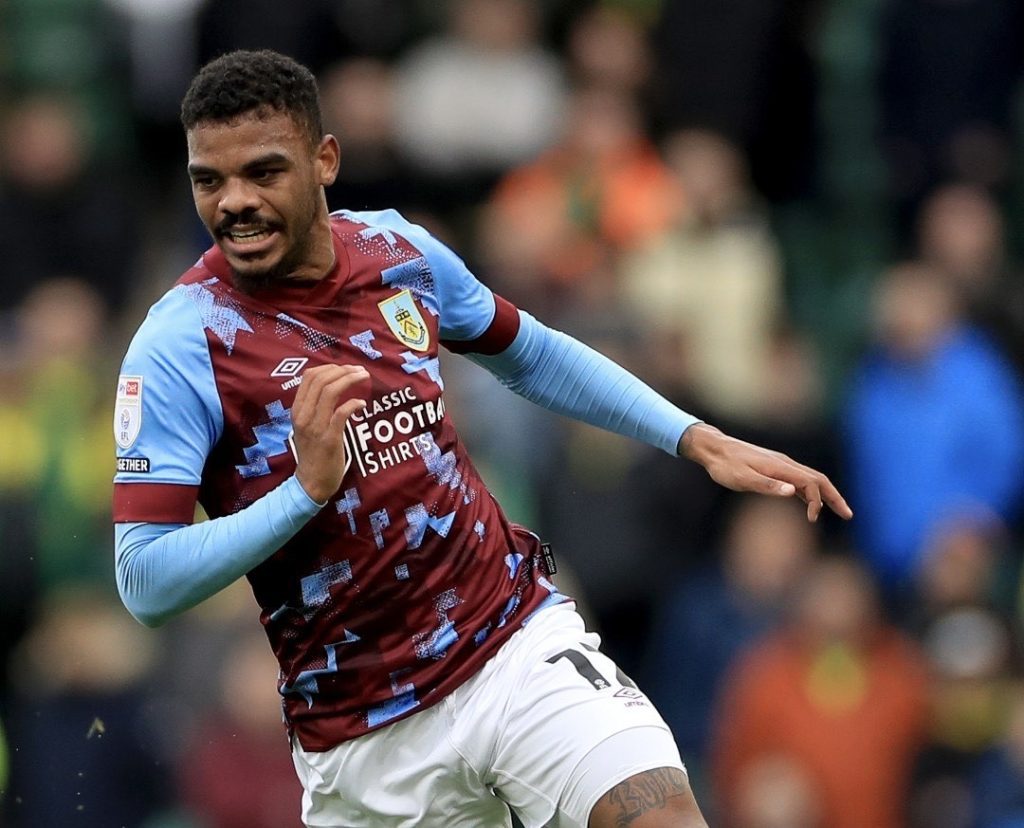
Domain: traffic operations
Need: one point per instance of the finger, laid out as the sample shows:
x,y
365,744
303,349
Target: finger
x,y
335,390
763,484
826,492
313,382
811,495
836,502
344,411
316,379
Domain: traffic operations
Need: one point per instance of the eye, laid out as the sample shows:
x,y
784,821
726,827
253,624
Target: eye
x,y
204,182
264,173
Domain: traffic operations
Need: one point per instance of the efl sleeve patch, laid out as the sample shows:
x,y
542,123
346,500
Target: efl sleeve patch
x,y
128,410
167,408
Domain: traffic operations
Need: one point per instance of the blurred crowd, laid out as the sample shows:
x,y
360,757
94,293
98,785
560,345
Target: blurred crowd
x,y
802,220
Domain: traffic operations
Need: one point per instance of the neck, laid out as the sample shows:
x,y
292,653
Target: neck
x,y
318,256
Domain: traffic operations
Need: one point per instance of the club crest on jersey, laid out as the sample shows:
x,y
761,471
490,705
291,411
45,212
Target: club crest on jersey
x,y
128,410
405,321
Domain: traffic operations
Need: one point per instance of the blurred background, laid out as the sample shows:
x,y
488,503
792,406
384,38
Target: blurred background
x,y
802,220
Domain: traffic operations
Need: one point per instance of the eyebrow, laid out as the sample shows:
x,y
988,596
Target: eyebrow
x,y
263,160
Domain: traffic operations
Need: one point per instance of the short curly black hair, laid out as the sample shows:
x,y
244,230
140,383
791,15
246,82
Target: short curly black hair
x,y
244,81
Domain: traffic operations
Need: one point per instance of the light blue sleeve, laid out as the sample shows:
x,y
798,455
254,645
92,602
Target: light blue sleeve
x,y
181,418
543,365
165,569
563,375
466,305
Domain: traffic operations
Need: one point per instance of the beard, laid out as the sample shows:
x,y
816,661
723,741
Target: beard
x,y
251,281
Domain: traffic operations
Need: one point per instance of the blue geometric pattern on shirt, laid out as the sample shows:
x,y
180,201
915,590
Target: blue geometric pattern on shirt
x,y
363,341
306,682
379,521
512,561
313,339
316,588
404,700
271,440
432,365
481,635
443,468
435,644
372,232
414,276
347,505
511,606
217,314
419,521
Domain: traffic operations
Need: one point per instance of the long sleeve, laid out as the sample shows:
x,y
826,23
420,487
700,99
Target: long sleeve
x,y
563,375
163,569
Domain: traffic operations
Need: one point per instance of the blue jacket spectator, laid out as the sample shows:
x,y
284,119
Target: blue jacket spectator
x,y
934,425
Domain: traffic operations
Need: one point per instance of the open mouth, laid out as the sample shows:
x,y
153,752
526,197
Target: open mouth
x,y
244,237
248,242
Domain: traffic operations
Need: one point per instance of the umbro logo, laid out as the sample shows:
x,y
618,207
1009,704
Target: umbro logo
x,y
290,367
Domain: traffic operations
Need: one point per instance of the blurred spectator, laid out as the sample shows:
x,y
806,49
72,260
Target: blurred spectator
x,y
708,618
479,98
74,49
775,792
709,288
590,498
358,99
306,30
998,782
743,69
964,564
160,42
608,47
972,693
21,450
961,231
602,189
237,770
934,425
838,694
948,77
84,747
65,419
60,211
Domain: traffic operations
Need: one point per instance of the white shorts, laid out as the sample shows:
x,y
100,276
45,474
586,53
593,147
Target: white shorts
x,y
547,727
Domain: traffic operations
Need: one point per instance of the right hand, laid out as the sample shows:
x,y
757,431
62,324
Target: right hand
x,y
318,424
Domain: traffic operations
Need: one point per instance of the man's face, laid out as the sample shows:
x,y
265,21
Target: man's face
x,y
256,183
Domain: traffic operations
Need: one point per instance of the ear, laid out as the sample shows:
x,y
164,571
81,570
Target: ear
x,y
328,157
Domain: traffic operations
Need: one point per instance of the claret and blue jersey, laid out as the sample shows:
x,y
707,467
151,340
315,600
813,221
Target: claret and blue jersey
x,y
409,579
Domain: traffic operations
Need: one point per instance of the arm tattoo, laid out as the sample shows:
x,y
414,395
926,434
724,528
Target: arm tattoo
x,y
648,791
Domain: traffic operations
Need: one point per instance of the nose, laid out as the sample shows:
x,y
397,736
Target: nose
x,y
237,197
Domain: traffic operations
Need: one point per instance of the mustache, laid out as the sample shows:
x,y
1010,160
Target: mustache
x,y
250,220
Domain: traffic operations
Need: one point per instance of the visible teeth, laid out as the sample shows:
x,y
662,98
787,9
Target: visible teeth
x,y
249,236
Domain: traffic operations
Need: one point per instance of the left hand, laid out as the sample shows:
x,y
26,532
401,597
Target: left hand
x,y
744,467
